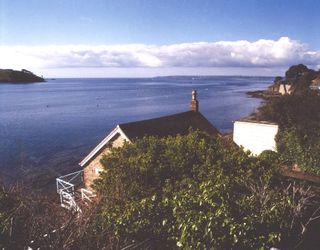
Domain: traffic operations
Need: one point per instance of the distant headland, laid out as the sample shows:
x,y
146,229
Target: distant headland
x,y
15,76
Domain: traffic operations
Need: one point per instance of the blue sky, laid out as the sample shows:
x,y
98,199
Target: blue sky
x,y
146,38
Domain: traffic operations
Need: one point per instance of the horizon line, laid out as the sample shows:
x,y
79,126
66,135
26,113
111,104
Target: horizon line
x,y
152,77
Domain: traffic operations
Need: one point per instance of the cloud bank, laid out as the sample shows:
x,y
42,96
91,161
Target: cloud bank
x,y
261,53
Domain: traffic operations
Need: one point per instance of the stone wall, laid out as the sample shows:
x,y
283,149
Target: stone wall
x,y
93,169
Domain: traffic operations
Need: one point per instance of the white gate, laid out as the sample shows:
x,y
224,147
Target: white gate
x,y
66,188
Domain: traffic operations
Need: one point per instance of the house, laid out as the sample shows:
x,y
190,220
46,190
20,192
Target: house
x,y
160,127
285,89
255,136
68,186
315,83
281,87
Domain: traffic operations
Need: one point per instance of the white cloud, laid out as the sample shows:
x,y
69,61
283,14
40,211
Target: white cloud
x,y
261,53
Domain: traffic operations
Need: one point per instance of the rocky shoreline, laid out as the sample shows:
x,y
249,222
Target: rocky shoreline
x,y
264,94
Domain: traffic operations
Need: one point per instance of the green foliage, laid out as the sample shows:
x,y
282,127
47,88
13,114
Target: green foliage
x,y
191,192
300,149
299,77
277,79
299,120
296,71
299,111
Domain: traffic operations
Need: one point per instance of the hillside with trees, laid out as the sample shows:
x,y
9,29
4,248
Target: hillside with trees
x,y
298,115
298,77
14,76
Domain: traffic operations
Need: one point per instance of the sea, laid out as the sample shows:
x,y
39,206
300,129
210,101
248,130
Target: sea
x,y
49,127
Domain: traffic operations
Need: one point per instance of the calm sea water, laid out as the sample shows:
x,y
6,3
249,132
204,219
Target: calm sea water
x,y
51,126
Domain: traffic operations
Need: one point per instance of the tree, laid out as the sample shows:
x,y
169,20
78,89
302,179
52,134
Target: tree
x,y
296,71
192,192
277,79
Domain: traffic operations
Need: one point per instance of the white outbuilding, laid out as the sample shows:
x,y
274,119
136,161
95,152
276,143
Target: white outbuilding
x,y
255,136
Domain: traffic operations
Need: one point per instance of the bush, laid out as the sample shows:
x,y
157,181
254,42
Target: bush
x,y
37,221
302,150
191,192
299,119
299,111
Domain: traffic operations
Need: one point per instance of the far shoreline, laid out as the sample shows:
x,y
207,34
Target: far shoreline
x,y
10,76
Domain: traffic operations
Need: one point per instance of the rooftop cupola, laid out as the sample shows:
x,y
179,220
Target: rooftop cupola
x,y
194,105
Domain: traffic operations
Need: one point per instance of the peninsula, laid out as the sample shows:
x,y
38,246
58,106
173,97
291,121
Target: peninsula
x,y
15,76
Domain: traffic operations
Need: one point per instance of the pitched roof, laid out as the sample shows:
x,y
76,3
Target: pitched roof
x,y
169,125
161,127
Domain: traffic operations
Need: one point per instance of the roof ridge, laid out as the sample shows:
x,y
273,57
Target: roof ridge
x,y
159,117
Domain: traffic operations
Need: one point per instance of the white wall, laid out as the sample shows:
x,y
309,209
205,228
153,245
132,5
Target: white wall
x,y
255,136
284,89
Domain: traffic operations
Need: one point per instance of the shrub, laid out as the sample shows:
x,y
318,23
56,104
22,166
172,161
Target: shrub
x,y
191,192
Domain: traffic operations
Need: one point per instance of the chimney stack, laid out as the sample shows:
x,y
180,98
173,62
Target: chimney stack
x,y
194,105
